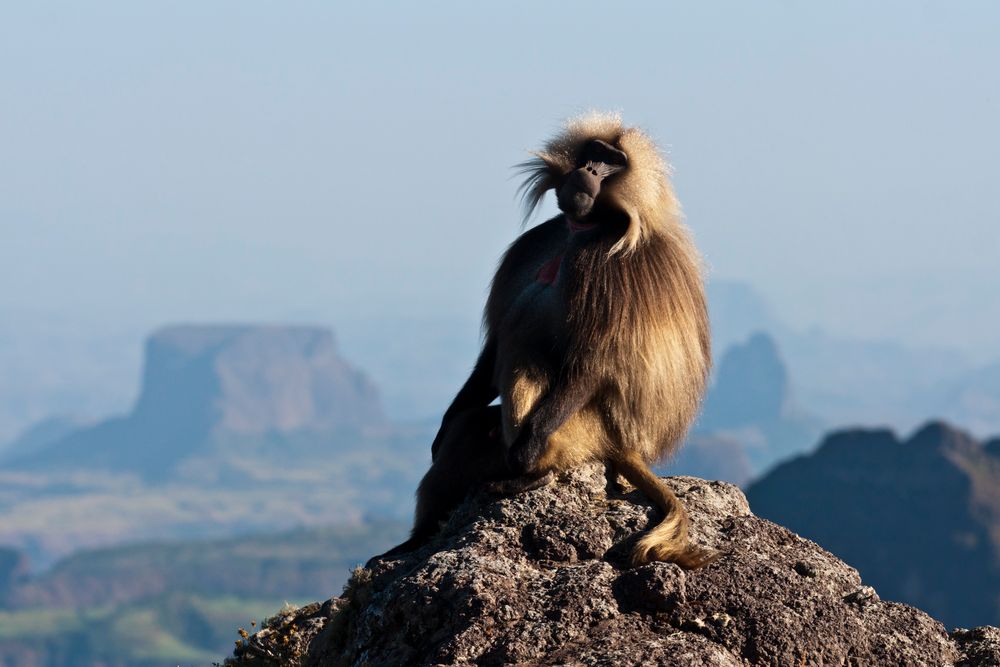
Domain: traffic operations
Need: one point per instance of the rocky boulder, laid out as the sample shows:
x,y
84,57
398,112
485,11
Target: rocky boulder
x,y
543,578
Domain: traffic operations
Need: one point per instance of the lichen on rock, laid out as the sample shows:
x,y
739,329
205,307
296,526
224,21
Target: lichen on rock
x,y
543,578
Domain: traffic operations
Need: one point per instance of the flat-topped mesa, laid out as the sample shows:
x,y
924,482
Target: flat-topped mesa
x,y
253,379
204,384
544,578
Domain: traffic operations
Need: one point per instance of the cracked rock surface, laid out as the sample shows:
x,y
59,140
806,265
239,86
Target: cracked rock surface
x,y
543,578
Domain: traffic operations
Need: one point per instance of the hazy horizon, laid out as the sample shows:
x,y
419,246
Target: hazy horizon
x,y
352,166
244,161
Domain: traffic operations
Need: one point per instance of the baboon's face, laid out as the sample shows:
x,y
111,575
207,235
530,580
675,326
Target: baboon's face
x,y
581,187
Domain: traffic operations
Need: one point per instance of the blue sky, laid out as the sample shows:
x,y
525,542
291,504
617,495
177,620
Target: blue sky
x,y
311,161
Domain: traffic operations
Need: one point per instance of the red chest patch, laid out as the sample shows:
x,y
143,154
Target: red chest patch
x,y
547,274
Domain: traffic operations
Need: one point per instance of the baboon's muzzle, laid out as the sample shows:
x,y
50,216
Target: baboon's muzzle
x,y
581,186
577,194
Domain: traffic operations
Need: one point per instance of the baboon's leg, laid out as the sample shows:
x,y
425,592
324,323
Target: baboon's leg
x,y
476,394
614,485
563,399
471,452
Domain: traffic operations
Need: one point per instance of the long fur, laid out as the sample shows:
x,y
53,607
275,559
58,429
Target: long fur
x,y
668,540
608,361
635,316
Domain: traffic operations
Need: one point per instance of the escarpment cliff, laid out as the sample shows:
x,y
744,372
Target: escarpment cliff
x,y
205,387
543,578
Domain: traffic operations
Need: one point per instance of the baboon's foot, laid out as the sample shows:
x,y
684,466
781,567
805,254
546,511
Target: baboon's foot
x,y
398,551
522,484
614,486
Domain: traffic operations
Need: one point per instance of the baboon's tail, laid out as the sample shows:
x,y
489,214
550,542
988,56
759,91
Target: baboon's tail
x,y
668,540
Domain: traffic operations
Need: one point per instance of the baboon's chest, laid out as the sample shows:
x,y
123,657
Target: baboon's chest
x,y
536,322
550,271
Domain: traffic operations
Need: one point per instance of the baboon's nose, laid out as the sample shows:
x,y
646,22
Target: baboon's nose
x,y
576,196
586,180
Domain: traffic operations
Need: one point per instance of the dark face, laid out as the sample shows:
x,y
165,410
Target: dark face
x,y
580,187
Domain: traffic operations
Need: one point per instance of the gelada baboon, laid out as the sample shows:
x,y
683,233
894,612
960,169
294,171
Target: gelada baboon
x,y
596,339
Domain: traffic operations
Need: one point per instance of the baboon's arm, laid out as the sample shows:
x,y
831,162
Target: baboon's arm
x,y
478,391
570,393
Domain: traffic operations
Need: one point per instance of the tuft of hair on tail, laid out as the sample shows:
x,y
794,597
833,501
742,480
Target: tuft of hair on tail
x,y
668,540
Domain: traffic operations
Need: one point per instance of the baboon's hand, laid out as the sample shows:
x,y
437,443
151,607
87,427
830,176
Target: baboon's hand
x,y
523,455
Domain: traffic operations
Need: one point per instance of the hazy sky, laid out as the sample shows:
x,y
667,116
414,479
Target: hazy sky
x,y
263,161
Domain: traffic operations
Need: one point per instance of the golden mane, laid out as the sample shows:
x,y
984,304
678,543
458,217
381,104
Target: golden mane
x,y
643,191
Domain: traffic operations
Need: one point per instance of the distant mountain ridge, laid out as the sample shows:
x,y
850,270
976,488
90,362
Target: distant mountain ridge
x,y
56,371
293,564
171,603
919,518
845,380
206,382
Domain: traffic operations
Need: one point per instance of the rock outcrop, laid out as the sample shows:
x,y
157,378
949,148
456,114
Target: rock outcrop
x,y
542,578
754,364
750,402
